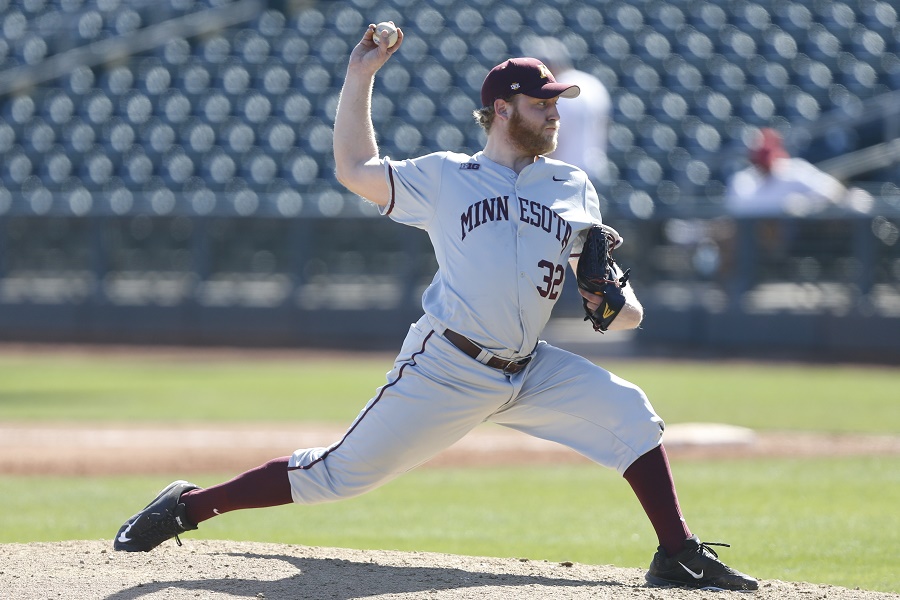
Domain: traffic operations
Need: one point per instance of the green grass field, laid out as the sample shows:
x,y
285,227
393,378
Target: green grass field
x,y
820,520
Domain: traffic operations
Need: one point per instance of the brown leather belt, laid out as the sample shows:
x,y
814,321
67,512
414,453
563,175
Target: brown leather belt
x,y
509,367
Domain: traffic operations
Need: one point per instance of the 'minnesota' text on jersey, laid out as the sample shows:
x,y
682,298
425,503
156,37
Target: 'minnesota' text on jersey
x,y
502,240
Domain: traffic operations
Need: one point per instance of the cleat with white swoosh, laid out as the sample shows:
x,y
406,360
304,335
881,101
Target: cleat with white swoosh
x,y
164,518
697,566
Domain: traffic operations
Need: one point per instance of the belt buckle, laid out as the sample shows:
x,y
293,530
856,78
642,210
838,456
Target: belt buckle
x,y
517,363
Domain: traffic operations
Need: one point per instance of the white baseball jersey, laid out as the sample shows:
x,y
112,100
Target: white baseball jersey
x,y
502,240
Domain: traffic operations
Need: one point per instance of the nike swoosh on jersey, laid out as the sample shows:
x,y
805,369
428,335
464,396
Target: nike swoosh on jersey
x,y
691,573
557,179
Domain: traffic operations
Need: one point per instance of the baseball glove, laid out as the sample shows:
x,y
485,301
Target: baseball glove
x,y
597,273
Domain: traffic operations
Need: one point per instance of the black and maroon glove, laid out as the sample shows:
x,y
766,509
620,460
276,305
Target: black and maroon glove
x,y
597,274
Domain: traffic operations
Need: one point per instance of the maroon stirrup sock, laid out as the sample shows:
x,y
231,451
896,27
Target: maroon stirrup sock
x,y
266,485
651,479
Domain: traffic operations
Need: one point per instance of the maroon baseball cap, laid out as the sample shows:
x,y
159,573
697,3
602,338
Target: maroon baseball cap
x,y
768,148
526,76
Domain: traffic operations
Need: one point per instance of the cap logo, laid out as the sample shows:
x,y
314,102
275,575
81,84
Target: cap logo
x,y
514,86
545,72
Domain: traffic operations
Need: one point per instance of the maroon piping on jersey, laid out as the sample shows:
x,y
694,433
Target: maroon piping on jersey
x,y
411,361
391,205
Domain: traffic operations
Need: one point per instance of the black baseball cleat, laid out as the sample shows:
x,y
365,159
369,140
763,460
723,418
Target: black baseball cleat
x,y
162,519
697,566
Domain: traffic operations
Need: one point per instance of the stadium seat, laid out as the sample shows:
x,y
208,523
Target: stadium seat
x,y
157,137
260,168
136,169
176,52
301,168
254,107
39,137
216,107
99,169
653,48
271,24
274,80
237,137
585,20
290,48
626,18
119,136
79,136
708,18
233,78
639,76
665,17
56,168
545,19
279,137
193,79
251,47
137,108
176,107
295,107
436,78
506,19
196,138
7,137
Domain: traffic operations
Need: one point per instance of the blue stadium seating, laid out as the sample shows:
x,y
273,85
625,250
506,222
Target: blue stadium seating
x,y
247,110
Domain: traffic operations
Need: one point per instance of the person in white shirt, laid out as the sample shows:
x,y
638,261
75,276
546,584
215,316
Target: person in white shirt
x,y
584,121
777,184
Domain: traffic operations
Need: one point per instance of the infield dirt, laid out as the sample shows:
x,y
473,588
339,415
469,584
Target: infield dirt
x,y
217,570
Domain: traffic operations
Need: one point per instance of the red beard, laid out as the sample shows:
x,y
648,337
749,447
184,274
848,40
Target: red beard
x,y
529,141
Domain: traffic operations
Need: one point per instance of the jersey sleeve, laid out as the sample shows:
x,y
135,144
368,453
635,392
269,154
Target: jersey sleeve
x,y
415,185
592,203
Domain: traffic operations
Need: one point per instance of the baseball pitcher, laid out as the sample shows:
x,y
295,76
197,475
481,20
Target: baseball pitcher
x,y
505,224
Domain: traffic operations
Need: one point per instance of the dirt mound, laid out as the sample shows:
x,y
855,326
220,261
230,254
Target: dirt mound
x,y
208,570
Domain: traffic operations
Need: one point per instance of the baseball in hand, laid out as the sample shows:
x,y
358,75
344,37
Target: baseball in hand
x,y
391,30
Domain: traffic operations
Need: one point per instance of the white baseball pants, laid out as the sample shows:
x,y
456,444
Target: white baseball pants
x,y
435,394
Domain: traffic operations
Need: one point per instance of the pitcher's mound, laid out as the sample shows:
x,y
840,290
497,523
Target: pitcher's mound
x,y
218,569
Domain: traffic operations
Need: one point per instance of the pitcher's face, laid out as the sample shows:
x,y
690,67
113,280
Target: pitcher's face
x,y
534,124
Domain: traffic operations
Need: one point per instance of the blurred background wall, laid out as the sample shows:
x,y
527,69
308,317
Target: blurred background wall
x,y
166,172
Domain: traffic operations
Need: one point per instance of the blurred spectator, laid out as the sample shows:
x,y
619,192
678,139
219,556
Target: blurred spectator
x,y
777,184
584,121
